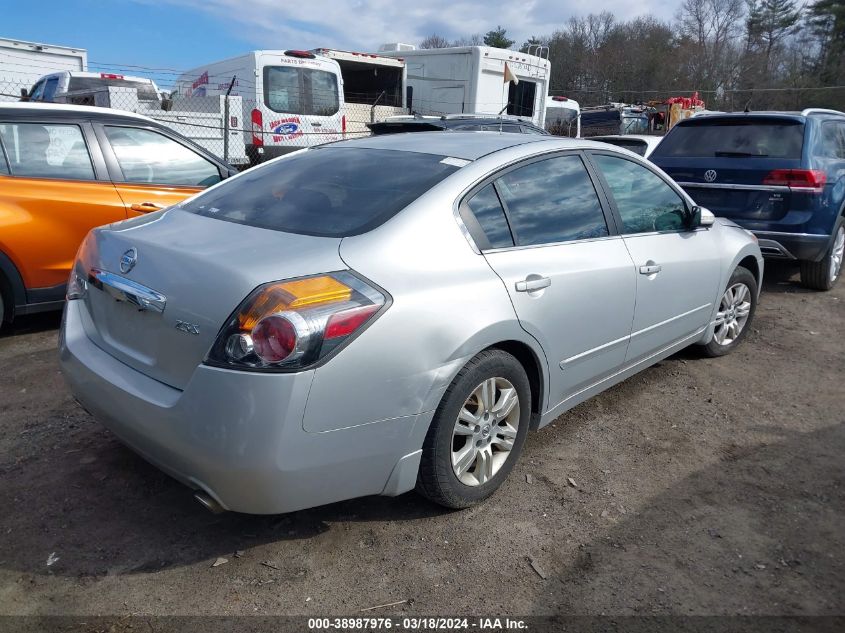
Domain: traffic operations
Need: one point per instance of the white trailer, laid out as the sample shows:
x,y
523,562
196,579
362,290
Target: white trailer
x,y
22,63
373,86
291,98
470,79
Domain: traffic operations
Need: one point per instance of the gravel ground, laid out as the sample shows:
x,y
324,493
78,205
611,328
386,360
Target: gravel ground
x,y
700,486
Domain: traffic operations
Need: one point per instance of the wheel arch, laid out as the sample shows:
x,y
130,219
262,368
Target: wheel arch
x,y
527,357
11,286
750,262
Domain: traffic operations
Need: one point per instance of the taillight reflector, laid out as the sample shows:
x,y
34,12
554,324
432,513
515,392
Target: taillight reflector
x,y
257,128
344,323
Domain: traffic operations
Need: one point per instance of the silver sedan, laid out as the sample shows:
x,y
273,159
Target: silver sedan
x,y
390,313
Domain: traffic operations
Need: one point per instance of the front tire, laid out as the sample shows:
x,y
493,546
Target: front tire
x,y
822,275
736,311
477,432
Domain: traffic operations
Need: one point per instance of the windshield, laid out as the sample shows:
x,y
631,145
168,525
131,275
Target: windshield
x,y
146,91
326,191
295,90
783,138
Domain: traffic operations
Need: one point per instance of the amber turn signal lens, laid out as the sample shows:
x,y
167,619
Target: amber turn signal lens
x,y
291,295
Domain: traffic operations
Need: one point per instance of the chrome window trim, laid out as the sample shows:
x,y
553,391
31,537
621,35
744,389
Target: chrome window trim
x,y
564,243
719,185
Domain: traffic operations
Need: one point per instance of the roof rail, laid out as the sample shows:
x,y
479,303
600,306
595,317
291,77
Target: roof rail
x,y
807,111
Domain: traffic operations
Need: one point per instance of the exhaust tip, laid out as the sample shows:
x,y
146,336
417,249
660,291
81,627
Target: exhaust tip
x,y
208,502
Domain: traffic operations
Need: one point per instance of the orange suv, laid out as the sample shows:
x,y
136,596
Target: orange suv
x,y
65,170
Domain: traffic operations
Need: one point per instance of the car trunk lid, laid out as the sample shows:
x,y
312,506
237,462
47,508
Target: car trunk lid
x,y
162,313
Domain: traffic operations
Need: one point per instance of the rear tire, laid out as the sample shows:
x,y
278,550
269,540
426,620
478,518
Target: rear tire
x,y
735,314
822,275
477,432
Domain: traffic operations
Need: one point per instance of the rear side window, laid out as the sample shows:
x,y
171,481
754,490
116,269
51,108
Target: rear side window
x,y
551,201
749,138
147,156
328,191
45,150
487,209
645,201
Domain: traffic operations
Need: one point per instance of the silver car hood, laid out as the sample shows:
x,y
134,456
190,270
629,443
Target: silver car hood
x,y
200,268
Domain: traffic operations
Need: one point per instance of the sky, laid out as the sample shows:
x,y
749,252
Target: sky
x,y
169,35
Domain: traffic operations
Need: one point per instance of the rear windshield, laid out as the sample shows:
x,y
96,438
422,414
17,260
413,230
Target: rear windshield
x,y
327,191
146,92
295,90
731,138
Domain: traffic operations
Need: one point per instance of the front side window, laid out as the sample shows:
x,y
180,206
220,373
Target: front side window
x,y
645,201
296,90
551,201
147,156
487,209
45,150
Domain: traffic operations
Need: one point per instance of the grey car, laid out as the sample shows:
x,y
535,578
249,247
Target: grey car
x,y
390,313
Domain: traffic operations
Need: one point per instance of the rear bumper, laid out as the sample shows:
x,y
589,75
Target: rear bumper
x,y
802,246
238,435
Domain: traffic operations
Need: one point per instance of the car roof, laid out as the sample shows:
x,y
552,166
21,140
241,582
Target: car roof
x,y
635,137
62,110
465,145
761,115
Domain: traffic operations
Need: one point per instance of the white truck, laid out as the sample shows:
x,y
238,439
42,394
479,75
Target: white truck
x,y
373,87
65,86
291,98
563,116
22,63
470,79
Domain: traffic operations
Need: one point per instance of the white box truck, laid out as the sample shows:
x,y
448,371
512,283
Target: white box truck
x,y
291,98
22,63
470,79
373,87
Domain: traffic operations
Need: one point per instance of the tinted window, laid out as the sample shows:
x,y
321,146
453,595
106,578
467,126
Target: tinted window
x,y
644,200
488,211
328,191
50,88
552,200
731,138
521,98
146,91
46,151
295,90
147,156
833,139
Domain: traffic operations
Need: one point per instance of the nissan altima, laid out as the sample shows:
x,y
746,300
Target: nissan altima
x,y
390,313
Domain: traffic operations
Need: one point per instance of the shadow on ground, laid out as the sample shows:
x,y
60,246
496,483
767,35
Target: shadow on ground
x,y
758,532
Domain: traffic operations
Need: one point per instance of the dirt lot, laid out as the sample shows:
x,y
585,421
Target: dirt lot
x,y
702,487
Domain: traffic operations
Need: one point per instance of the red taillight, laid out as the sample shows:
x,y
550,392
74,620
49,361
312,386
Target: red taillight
x,y
813,179
110,76
274,338
343,125
344,323
257,128
292,324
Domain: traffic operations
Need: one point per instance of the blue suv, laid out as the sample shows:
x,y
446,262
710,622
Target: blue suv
x,y
780,175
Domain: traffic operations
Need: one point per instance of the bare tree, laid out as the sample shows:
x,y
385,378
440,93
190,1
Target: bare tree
x,y
435,41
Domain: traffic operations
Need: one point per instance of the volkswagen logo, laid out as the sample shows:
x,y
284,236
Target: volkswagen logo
x,y
710,175
128,260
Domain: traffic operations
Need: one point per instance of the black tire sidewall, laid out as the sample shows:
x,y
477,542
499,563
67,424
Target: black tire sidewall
x,y
488,364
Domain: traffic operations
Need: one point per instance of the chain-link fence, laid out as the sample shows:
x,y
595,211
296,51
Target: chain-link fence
x,y
235,128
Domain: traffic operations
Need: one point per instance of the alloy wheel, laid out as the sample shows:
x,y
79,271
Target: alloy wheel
x,y
485,431
732,316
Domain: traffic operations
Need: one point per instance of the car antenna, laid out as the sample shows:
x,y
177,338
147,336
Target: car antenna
x,y
747,106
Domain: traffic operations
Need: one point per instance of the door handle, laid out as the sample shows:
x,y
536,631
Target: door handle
x,y
533,283
146,207
650,269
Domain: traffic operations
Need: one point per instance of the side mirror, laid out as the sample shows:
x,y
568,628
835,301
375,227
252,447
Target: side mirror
x,y
24,94
699,216
705,216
